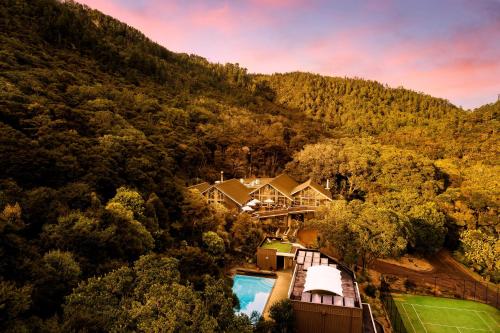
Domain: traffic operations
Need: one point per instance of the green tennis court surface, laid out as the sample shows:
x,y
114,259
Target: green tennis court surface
x,y
425,314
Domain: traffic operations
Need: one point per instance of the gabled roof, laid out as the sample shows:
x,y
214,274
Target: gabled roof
x,y
202,187
235,190
282,183
314,185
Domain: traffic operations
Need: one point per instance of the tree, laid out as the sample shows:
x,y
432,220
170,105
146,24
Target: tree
x,y
150,297
59,274
429,227
281,313
214,243
246,235
16,253
97,304
219,302
199,216
172,308
482,251
129,199
14,303
361,230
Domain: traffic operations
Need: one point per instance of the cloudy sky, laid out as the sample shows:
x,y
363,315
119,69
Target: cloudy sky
x,y
446,48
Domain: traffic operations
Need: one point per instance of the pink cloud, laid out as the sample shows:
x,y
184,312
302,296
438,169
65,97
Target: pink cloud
x,y
461,65
279,3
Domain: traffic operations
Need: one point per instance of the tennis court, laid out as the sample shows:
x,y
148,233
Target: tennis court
x,y
426,314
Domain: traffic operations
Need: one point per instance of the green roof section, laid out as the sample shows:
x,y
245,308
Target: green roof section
x,y
277,245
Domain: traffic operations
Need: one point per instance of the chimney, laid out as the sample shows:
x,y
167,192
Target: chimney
x,y
327,184
221,176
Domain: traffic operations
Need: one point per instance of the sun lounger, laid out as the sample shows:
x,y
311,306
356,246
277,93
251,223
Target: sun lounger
x,y
306,297
327,299
316,298
338,300
349,302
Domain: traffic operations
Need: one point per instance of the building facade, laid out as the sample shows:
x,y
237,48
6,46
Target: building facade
x,y
325,296
282,193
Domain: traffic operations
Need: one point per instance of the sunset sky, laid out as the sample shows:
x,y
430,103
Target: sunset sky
x,y
446,48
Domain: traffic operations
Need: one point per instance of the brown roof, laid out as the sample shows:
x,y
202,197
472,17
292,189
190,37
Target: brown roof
x,y
235,190
314,185
284,183
202,187
256,182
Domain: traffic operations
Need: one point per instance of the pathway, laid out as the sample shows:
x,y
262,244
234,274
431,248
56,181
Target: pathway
x,y
280,290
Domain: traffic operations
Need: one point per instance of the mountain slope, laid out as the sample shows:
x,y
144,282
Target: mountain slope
x,y
100,129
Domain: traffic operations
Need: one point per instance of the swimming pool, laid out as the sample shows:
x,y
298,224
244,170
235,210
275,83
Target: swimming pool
x,y
252,292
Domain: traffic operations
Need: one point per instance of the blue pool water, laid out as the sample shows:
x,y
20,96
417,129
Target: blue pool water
x,y
252,292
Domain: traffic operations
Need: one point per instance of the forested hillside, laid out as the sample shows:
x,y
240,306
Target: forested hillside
x,y
101,129
355,107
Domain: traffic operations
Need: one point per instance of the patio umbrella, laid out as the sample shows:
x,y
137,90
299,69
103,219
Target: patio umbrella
x,y
269,201
246,209
251,203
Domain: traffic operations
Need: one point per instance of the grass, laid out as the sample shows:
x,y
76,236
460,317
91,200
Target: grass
x,y
426,314
280,247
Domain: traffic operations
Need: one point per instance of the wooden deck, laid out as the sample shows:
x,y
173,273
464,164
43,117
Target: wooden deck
x,y
284,211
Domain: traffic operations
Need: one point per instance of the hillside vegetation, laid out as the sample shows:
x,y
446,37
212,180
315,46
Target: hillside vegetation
x,y
101,129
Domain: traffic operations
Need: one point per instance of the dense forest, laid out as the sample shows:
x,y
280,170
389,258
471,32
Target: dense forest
x,y
101,129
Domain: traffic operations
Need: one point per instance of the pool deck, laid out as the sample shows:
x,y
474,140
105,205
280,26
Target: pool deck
x,y
280,290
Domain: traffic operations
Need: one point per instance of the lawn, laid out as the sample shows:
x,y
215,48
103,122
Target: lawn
x,y
426,314
278,245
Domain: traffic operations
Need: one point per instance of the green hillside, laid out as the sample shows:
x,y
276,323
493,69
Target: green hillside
x,y
101,129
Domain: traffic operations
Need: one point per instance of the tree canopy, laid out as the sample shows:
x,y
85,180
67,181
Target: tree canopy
x,y
101,129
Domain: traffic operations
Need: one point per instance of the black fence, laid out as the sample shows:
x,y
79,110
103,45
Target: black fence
x,y
392,311
442,287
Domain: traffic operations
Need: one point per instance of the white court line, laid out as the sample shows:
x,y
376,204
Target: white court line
x,y
484,321
492,318
425,329
445,307
459,309
458,327
409,319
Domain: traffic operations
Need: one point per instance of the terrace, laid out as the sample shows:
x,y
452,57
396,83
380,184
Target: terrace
x,y
278,245
346,294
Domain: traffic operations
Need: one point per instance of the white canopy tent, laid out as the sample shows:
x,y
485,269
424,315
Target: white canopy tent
x,y
323,278
269,201
246,209
253,202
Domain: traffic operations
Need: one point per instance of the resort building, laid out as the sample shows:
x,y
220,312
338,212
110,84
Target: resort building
x,y
325,296
281,198
230,193
277,191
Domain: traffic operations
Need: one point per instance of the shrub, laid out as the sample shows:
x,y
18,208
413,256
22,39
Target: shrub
x,y
371,290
